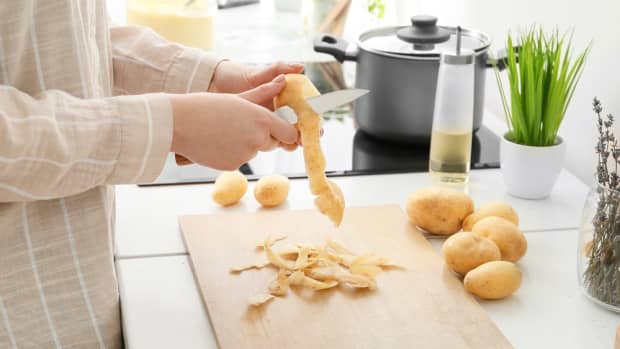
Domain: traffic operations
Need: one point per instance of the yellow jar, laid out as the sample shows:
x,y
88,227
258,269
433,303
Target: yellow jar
x,y
187,22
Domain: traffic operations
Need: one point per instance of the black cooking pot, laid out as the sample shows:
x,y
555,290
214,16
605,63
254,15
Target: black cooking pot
x,y
399,66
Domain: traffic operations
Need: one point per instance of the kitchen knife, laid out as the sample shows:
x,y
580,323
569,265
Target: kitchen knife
x,y
320,104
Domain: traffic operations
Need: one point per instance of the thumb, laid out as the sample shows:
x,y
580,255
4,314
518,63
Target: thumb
x,y
264,94
282,131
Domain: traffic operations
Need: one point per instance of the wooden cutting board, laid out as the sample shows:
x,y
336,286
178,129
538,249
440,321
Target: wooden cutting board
x,y
424,306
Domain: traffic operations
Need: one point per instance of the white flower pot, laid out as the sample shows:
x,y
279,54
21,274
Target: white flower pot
x,y
531,172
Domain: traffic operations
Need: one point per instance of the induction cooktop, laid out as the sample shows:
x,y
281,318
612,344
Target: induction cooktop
x,y
348,151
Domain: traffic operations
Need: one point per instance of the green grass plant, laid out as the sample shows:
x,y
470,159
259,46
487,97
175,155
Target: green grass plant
x,y
542,80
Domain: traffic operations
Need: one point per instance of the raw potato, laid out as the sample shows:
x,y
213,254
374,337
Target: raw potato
x,y
493,280
510,240
271,191
329,198
229,188
465,251
439,211
496,208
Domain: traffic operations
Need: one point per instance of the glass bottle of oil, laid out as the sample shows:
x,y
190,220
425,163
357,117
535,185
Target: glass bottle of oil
x,y
453,118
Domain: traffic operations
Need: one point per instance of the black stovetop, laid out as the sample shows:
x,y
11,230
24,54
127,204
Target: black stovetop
x,y
348,151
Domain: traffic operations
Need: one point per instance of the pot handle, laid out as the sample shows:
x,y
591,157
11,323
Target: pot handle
x,y
334,46
502,59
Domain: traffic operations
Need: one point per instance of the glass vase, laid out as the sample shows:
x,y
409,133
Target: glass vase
x,y
598,255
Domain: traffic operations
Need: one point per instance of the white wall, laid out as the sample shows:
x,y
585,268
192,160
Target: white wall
x,y
596,20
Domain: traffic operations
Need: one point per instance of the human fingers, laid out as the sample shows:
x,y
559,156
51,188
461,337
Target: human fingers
x,y
282,131
288,147
270,145
263,94
259,77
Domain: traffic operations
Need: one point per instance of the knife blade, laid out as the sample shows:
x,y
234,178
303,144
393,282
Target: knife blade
x,y
322,103
335,99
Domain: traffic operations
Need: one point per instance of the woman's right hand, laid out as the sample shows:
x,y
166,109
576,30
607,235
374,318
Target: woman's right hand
x,y
223,131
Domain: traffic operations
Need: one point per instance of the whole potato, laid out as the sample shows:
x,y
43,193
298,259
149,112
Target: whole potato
x,y
465,251
439,211
510,240
496,208
230,186
271,191
493,280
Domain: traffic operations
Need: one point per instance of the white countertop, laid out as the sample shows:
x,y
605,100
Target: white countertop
x,y
146,222
162,307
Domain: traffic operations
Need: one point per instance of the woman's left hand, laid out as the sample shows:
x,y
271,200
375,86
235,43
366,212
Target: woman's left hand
x,y
231,77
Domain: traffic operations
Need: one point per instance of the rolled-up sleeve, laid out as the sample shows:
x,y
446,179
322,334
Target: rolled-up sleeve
x,y
145,62
55,145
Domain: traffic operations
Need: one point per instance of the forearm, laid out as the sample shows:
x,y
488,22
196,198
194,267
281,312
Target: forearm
x,y
58,145
145,62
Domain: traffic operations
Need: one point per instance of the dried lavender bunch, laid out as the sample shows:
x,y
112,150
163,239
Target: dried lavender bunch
x,y
602,274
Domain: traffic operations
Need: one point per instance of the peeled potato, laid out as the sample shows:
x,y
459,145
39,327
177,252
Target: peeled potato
x,y
496,208
493,280
510,240
465,251
329,199
230,186
439,211
271,191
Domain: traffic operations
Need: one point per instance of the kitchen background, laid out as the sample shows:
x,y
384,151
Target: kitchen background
x,y
594,20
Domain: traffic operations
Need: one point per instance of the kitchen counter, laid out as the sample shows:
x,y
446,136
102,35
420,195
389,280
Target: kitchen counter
x,y
161,304
162,307
146,221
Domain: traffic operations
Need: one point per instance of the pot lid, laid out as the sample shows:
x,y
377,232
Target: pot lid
x,y
423,38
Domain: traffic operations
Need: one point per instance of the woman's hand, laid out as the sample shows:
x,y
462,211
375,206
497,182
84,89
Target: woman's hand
x,y
231,77
224,131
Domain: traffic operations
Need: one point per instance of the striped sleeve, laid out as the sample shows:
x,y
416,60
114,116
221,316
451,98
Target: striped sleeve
x,y
56,145
145,62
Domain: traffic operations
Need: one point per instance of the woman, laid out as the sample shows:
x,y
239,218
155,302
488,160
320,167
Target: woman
x,y
84,106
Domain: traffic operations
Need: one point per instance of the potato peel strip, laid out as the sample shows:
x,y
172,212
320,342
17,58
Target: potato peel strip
x,y
337,247
277,238
275,258
260,299
237,270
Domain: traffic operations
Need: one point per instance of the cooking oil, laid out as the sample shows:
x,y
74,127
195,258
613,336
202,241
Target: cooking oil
x,y
450,156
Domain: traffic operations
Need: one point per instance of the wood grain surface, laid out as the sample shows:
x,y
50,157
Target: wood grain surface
x,y
423,306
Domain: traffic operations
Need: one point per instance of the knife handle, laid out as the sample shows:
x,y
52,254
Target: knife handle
x,y
182,160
